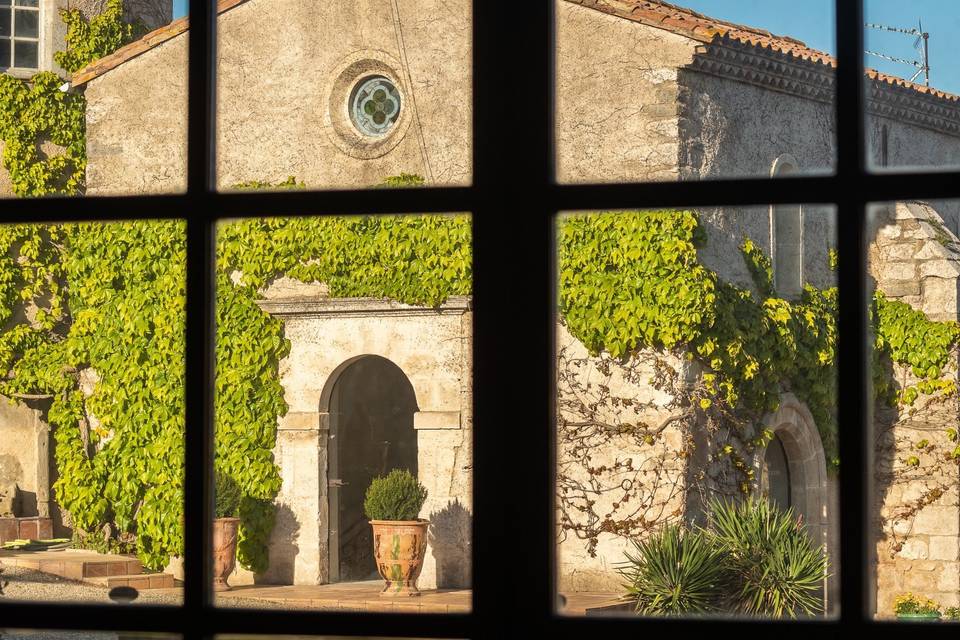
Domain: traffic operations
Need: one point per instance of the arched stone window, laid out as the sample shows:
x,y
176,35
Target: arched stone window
x,y
786,237
884,146
792,470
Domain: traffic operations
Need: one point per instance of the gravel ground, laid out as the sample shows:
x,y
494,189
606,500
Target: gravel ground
x,y
24,584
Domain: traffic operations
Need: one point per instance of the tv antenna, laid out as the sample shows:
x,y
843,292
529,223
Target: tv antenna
x,y
921,44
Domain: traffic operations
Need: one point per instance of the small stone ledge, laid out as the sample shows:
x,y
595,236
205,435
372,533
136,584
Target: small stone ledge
x,y
303,421
427,420
359,307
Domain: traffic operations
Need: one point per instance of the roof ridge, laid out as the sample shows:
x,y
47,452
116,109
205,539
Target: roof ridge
x,y
676,19
153,39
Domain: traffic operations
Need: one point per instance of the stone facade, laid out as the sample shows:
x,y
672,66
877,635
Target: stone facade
x,y
301,128
637,100
432,347
915,259
25,460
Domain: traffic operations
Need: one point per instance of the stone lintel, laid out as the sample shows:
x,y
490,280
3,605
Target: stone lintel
x,y
436,420
359,307
304,421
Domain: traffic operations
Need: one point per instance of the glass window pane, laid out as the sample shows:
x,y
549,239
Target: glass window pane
x,y
24,54
317,115
651,91
26,3
4,60
914,270
4,24
27,24
92,418
343,357
912,86
696,407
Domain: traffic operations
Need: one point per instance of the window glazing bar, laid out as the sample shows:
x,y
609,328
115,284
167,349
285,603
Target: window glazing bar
x,y
855,534
201,180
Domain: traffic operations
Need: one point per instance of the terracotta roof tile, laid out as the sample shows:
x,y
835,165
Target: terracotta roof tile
x,y
697,26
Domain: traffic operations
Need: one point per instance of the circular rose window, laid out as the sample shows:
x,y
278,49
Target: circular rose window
x,y
375,106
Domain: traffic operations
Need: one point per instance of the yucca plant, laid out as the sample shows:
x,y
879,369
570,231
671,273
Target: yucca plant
x,y
775,568
674,572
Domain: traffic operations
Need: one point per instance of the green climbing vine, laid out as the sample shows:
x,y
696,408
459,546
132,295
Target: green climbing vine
x,y
633,292
632,280
94,319
43,128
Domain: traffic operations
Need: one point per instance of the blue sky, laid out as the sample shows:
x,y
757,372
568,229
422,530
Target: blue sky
x,y
812,21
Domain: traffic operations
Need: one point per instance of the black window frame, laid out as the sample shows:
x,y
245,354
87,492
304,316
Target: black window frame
x,y
514,200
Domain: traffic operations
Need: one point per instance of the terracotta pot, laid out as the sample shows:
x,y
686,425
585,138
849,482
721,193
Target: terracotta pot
x,y
224,551
399,547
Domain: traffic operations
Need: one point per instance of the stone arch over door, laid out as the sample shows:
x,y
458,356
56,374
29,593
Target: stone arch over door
x,y
794,427
432,347
370,406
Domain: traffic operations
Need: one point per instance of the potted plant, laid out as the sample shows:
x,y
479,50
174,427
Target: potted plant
x,y
225,527
392,504
909,607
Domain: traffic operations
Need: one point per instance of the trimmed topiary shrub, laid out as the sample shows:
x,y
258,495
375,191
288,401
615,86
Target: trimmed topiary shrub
x,y
398,496
228,496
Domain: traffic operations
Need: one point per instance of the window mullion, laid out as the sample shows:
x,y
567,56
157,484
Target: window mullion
x,y
853,322
199,323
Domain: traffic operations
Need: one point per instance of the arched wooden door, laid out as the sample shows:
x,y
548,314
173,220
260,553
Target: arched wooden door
x,y
371,432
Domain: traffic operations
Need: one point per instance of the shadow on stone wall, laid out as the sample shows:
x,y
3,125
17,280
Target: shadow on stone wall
x,y
450,536
283,549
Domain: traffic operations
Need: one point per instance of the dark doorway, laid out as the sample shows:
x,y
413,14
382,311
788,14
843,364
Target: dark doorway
x,y
371,432
776,474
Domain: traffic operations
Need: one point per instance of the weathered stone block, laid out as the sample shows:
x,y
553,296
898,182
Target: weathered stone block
x,y
906,270
914,549
937,520
948,578
944,548
436,420
939,269
901,288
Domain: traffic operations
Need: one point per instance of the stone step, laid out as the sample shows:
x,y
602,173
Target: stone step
x,y
73,564
34,528
139,581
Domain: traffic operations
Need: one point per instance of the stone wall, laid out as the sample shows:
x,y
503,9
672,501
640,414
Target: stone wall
x,y
915,259
433,349
662,469
617,95
729,128
283,90
25,457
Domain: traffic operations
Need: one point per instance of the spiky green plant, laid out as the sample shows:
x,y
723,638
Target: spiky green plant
x,y
775,568
674,572
397,496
